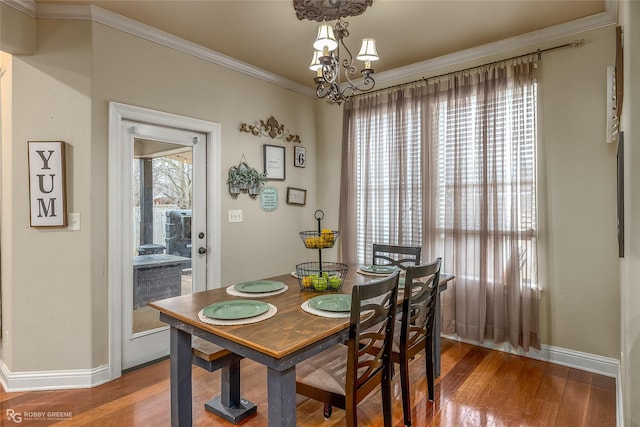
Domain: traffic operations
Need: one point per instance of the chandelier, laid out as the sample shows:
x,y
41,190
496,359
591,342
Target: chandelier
x,y
327,62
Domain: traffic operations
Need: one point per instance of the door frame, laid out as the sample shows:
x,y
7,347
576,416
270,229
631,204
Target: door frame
x,y
119,157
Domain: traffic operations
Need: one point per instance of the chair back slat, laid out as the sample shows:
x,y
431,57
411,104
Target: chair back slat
x,y
400,256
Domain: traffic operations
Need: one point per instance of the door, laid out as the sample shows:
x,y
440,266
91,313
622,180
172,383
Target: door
x,y
166,236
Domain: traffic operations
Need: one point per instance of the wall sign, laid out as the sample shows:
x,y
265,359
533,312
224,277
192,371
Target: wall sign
x,y
269,199
299,157
47,184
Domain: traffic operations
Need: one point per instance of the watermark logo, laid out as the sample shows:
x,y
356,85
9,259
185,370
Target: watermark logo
x,y
18,417
14,416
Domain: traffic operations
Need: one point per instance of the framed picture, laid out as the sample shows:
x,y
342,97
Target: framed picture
x,y
299,157
47,184
296,196
274,165
620,193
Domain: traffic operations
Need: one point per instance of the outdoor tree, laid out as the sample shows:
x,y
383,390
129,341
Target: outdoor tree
x,y
172,180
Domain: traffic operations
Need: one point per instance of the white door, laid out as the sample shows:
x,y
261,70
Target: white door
x,y
166,235
136,136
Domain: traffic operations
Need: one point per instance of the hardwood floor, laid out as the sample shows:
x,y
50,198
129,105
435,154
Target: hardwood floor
x,y
478,387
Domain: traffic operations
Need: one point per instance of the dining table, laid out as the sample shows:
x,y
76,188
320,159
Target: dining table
x,y
279,342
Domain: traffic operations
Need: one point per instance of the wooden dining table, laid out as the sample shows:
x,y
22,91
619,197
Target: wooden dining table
x,y
279,343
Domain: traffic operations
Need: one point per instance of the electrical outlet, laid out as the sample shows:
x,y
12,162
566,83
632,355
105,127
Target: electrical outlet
x,y
235,215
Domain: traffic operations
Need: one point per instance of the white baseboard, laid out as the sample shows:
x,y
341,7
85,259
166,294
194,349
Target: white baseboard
x,y
52,380
606,366
619,400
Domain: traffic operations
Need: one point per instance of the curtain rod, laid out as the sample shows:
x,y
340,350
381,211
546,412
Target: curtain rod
x,y
575,43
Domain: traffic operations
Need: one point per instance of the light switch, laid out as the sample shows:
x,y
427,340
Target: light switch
x,y
235,215
74,221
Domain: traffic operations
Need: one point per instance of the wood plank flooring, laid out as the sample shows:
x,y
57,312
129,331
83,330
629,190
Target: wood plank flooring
x,y
478,387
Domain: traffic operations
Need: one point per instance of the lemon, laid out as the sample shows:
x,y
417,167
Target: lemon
x,y
309,242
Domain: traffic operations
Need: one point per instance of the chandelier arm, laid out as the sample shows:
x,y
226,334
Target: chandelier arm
x,y
331,72
322,90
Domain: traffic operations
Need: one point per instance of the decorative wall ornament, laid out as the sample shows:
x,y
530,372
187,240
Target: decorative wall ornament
x,y
271,128
245,179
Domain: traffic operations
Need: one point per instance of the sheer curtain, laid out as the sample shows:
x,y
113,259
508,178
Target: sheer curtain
x,y
381,181
451,164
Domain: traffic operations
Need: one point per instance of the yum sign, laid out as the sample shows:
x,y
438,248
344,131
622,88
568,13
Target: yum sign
x,y
47,186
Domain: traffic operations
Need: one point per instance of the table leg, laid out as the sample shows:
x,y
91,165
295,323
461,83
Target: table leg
x,y
436,340
281,395
180,377
229,405
230,377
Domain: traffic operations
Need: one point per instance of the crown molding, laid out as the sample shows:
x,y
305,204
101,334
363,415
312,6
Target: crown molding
x,y
119,22
514,43
97,14
25,6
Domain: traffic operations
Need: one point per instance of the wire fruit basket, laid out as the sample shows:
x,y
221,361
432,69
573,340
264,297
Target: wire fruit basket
x,y
321,277
323,239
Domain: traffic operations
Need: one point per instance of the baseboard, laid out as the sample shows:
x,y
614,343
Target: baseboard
x,y
619,400
561,356
52,380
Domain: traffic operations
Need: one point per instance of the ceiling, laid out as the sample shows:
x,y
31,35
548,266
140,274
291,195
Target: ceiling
x,y
267,34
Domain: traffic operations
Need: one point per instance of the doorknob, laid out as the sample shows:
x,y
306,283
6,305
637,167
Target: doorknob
x,y
202,251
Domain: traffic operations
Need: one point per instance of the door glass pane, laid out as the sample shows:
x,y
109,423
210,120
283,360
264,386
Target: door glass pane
x,y
162,210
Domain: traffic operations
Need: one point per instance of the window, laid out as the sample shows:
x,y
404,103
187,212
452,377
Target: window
x,y
462,163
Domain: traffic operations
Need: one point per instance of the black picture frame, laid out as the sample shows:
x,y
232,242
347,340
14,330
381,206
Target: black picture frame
x,y
296,196
620,193
274,162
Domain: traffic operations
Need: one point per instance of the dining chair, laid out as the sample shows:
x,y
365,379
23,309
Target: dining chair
x,y
345,374
414,331
400,256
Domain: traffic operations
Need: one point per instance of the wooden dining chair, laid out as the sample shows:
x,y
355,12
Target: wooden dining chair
x,y
345,374
415,329
400,256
